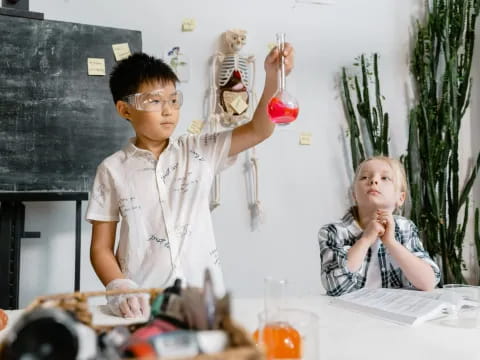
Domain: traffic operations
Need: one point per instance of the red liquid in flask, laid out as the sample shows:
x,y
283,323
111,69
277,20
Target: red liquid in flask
x,y
281,113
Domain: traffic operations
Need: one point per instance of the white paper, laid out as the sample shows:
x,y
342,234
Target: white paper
x,y
398,305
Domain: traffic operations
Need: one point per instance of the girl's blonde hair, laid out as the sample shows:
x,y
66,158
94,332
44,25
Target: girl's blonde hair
x,y
400,179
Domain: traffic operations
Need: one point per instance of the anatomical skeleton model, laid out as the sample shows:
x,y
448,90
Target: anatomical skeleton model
x,y
232,100
233,75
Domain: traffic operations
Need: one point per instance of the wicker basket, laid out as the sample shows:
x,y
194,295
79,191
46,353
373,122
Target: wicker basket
x,y
242,346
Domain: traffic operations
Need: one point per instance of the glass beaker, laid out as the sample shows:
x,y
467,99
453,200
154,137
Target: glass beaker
x,y
467,300
282,107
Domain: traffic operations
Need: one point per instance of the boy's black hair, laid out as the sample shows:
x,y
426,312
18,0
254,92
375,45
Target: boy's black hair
x,y
129,74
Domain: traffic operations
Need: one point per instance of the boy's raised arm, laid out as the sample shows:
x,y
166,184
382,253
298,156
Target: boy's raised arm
x,y
260,127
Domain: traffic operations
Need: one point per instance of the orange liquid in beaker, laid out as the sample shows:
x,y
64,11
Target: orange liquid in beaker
x,y
281,342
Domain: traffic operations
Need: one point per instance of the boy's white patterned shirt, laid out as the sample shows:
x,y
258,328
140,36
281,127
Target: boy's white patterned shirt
x,y
166,229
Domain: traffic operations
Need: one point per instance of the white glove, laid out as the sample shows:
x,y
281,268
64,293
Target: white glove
x,y
127,305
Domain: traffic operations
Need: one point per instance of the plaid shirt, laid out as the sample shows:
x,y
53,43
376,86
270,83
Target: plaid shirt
x,y
337,238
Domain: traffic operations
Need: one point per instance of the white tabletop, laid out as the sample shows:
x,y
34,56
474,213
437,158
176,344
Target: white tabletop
x,y
348,335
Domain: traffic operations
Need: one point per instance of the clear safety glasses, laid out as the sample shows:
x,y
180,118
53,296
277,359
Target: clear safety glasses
x,y
155,100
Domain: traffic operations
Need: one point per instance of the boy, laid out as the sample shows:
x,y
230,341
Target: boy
x,y
160,186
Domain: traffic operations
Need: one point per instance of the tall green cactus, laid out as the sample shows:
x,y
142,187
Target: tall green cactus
x,y
367,123
441,63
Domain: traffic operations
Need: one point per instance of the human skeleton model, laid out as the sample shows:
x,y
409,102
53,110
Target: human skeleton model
x,y
232,79
231,103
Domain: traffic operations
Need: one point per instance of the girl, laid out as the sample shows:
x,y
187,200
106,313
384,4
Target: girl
x,y
370,247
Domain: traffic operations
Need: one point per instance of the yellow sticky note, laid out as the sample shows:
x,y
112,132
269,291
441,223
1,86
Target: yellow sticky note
x,y
121,51
305,138
195,127
239,105
96,66
188,24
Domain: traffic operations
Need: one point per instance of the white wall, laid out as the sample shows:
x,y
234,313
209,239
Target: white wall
x,y
301,187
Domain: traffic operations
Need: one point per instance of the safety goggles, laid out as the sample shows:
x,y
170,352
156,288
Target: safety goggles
x,y
155,100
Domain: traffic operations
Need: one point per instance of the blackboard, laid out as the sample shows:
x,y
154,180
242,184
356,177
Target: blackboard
x,y
57,123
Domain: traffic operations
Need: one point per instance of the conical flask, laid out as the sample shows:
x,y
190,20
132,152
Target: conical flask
x,y
275,335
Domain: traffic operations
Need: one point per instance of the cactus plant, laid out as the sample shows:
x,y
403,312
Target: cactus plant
x,y
367,123
441,64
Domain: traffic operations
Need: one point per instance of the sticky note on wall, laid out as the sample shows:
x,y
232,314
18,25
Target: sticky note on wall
x,y
305,138
188,24
96,66
121,51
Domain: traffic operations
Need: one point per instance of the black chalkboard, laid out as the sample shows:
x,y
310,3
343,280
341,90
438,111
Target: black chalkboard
x,y
57,123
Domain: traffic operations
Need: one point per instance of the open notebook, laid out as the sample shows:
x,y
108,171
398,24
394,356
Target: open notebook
x,y
409,307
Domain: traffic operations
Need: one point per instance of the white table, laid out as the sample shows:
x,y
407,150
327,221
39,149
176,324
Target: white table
x,y
348,335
